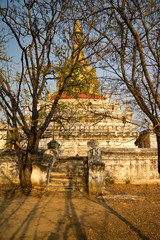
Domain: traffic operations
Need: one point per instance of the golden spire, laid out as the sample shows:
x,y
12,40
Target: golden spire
x,y
77,35
78,41
84,76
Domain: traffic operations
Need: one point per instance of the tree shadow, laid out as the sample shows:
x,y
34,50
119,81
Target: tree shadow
x,y
69,221
106,206
9,196
6,177
74,222
26,222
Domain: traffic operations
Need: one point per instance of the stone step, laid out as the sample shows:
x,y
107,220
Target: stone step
x,y
70,160
75,159
68,180
61,172
68,175
67,189
75,179
74,163
62,194
68,168
69,164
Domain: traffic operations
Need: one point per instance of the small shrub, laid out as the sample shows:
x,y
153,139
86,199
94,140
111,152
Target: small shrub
x,y
109,179
128,181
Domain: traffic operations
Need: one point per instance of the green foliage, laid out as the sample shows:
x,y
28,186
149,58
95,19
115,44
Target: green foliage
x,y
109,179
82,80
127,181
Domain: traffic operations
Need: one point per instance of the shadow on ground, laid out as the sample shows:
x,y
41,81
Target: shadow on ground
x,y
54,218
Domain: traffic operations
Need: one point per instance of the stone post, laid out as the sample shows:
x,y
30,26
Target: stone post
x,y
96,175
50,156
41,173
96,178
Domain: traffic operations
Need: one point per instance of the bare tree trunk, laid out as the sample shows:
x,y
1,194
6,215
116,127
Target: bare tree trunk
x,y
25,161
25,172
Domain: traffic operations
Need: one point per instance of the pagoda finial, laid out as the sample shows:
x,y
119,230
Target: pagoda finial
x,y
128,113
78,39
116,98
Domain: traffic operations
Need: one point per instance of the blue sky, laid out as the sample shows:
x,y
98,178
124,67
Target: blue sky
x,y
12,47
3,3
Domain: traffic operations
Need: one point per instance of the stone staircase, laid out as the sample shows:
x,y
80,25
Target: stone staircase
x,y
69,176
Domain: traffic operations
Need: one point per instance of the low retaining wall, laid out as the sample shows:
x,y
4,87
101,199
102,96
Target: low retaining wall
x,y
130,164
9,172
120,165
8,167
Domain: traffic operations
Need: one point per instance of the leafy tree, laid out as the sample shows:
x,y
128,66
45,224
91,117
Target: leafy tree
x,y
130,50
43,32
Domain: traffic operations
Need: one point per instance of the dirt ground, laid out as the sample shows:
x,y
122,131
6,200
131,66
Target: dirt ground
x,y
126,212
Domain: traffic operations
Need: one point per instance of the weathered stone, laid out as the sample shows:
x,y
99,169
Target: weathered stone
x,y
39,176
97,166
133,164
96,178
136,165
53,145
50,156
92,144
94,155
